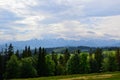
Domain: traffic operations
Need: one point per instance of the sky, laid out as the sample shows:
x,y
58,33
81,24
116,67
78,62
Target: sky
x,y
22,20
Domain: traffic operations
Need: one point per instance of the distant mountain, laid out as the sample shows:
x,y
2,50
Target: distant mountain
x,y
48,43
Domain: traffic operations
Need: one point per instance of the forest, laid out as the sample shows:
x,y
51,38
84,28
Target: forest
x,y
30,63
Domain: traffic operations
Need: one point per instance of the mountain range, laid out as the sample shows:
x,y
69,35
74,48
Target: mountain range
x,y
49,43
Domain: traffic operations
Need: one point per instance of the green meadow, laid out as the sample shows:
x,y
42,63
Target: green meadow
x,y
95,76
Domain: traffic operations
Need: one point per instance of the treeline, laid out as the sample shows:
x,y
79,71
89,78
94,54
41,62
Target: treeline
x,y
26,64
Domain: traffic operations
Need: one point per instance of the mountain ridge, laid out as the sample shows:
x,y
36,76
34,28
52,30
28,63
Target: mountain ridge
x,y
49,43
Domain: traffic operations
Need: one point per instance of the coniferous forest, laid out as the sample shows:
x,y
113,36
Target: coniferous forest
x,y
30,63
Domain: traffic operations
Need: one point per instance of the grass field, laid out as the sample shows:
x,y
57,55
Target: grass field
x,y
95,76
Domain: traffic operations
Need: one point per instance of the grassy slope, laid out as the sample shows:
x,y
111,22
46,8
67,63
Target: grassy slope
x,y
97,76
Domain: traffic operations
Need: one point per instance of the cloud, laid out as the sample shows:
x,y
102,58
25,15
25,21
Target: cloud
x,y
68,19
109,25
102,8
70,30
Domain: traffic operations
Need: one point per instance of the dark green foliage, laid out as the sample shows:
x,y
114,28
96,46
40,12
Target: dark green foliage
x,y
61,66
27,70
23,54
66,56
12,68
78,51
6,50
84,64
109,63
61,60
112,63
4,59
92,63
35,51
50,66
73,65
17,54
54,58
118,58
1,66
41,65
99,59
10,51
39,62
26,65
60,69
29,52
26,52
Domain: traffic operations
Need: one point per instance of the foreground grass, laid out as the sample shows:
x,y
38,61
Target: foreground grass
x,y
97,76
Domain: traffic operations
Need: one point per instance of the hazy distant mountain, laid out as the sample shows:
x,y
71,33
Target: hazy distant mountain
x,y
65,43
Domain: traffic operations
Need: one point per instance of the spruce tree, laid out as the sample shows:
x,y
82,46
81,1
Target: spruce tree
x,y
54,58
17,54
66,56
73,65
118,58
1,66
61,60
29,52
84,64
35,51
10,51
41,65
99,59
92,63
